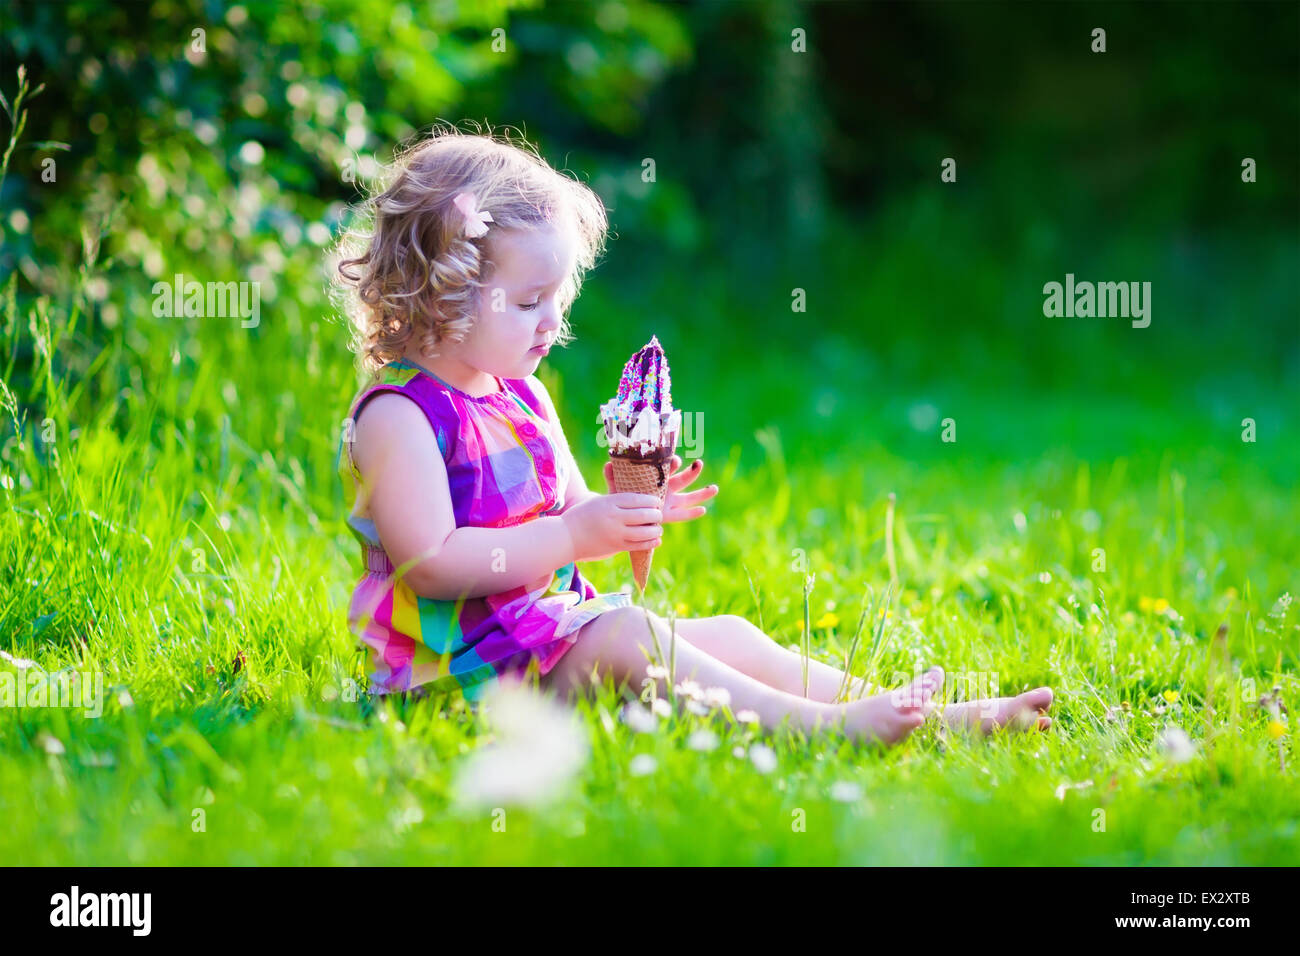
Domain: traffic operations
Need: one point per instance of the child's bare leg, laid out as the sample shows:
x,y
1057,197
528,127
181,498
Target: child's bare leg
x,y
735,640
620,644
1023,712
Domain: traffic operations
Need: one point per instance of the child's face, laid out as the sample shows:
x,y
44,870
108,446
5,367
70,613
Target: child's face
x,y
519,308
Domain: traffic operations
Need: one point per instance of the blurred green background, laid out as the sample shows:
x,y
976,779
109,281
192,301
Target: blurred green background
x,y
775,170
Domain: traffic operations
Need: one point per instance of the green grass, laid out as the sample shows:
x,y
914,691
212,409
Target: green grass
x,y
189,515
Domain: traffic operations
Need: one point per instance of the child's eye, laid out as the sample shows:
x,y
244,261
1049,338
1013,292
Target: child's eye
x,y
530,305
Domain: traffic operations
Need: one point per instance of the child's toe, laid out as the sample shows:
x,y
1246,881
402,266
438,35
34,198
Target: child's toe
x,y
1040,698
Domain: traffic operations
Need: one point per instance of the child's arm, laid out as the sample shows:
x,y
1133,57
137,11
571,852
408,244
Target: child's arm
x,y
575,492
410,504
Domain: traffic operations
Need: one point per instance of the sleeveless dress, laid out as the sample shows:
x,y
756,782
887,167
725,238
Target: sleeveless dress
x,y
507,463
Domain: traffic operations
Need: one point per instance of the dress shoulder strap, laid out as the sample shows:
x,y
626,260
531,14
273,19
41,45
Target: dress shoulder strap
x,y
431,400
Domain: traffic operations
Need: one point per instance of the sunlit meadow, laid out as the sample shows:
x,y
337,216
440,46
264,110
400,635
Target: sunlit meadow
x,y
1093,518
184,540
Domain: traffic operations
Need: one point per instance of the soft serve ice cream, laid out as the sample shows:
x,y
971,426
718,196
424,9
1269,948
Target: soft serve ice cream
x,y
640,421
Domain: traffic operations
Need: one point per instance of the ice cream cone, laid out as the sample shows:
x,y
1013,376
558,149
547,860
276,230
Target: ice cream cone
x,y
642,477
642,428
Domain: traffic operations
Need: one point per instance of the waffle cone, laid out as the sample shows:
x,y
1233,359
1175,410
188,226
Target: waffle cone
x,y
642,478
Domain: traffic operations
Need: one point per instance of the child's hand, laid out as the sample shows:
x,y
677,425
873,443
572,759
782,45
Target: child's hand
x,y
605,525
677,506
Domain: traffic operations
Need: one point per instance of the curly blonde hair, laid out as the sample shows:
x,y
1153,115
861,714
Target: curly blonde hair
x,y
407,270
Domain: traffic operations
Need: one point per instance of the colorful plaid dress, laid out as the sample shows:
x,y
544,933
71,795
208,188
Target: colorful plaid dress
x,y
507,463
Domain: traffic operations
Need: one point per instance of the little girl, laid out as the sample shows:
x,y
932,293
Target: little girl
x,y
471,513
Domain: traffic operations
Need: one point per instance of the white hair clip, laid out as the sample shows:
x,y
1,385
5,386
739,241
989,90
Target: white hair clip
x,y
475,221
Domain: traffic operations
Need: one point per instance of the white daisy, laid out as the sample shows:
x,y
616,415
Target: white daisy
x,y
763,757
1175,744
638,718
702,740
717,697
538,748
691,689
846,791
641,765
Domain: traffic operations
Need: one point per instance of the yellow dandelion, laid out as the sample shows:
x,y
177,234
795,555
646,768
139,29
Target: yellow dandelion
x,y
1160,606
1145,604
829,619
682,610
1276,729
1171,696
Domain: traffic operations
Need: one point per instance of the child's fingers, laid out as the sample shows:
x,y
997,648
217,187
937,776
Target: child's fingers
x,y
684,478
635,499
690,498
643,532
684,514
631,499
641,516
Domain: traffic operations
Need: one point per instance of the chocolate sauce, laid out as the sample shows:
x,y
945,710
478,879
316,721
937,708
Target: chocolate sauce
x,y
661,459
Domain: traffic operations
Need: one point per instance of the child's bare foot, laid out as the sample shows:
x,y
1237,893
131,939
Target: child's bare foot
x,y
1022,712
889,717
